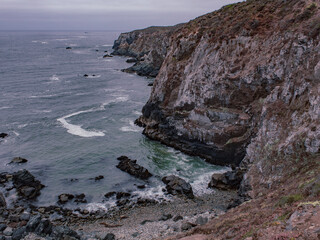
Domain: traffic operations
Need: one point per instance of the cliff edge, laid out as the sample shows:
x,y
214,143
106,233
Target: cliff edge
x,y
241,86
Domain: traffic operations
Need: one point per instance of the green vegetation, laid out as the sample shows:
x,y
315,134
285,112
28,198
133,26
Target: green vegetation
x,y
290,199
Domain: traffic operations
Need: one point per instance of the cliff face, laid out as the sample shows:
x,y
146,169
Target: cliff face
x,y
250,69
147,46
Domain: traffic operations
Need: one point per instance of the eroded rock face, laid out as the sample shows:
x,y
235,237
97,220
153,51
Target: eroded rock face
x,y
148,48
216,83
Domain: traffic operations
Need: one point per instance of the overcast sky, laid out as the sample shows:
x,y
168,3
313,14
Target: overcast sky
x,y
100,14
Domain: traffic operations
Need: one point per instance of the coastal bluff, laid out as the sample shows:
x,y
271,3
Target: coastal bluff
x,y
240,87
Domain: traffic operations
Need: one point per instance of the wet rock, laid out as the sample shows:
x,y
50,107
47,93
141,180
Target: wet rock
x,y
19,233
201,220
178,186
19,160
109,236
33,223
141,186
98,178
226,181
14,218
177,218
150,84
86,75
107,56
3,135
80,198
3,203
131,167
64,198
68,48
132,60
26,184
120,195
122,202
109,194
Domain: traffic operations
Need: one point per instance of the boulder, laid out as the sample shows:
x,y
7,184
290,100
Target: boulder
x,y
19,233
107,56
99,178
3,135
86,75
109,236
64,198
19,160
226,181
178,186
33,223
68,48
131,167
26,184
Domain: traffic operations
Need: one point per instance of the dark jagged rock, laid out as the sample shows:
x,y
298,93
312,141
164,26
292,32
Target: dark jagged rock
x,y
99,178
226,181
44,227
65,197
33,223
132,60
80,198
178,186
107,56
19,233
68,48
109,194
63,232
26,184
3,135
120,195
86,75
131,167
19,160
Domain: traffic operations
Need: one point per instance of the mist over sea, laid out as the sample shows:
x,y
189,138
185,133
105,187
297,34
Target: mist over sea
x,y
72,128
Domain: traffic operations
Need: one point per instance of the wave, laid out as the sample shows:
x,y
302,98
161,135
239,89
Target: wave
x,y
131,128
61,39
44,42
5,107
107,45
137,113
119,98
45,96
54,78
77,129
96,76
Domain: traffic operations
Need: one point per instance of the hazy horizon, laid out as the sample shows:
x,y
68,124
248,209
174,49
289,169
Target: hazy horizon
x,y
100,15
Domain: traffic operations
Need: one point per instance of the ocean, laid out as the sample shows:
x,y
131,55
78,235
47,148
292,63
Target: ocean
x,y
72,128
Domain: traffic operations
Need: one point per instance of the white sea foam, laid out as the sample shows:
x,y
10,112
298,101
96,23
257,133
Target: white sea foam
x,y
61,39
4,107
137,113
22,126
72,45
77,129
44,42
119,98
96,76
44,96
131,127
54,78
107,45
16,133
34,41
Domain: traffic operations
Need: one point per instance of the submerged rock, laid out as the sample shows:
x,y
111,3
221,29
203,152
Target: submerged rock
x,y
86,75
68,48
19,160
107,56
178,186
134,169
26,184
132,60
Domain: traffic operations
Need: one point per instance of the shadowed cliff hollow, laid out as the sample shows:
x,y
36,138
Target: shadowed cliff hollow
x,y
242,85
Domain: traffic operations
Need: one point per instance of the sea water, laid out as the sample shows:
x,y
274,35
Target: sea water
x,y
72,128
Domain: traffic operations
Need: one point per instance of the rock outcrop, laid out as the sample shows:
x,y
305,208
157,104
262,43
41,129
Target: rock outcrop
x,y
147,46
241,86
178,186
229,74
134,169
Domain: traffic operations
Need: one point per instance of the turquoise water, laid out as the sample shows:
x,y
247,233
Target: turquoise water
x,y
72,127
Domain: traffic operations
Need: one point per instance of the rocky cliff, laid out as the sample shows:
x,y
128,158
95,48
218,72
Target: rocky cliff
x,y
242,86
147,47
